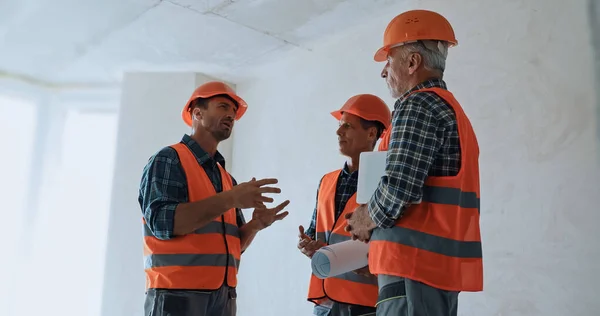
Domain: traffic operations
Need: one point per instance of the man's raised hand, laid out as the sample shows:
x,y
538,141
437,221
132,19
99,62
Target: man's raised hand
x,y
251,194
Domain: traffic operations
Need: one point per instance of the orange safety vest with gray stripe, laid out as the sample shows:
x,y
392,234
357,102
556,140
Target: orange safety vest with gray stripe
x,y
348,288
204,259
438,241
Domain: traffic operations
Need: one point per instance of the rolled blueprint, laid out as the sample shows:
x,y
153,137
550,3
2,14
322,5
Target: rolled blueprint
x,y
372,168
339,258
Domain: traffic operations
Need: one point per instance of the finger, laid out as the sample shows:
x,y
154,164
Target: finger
x,y
302,243
269,190
307,252
313,245
305,241
302,234
309,245
258,205
281,206
348,215
281,216
348,228
266,181
265,199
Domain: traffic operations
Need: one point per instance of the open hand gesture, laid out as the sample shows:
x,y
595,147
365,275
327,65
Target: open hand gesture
x,y
251,194
266,216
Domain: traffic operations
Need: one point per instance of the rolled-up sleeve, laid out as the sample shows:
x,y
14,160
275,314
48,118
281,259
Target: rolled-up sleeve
x,y
411,153
240,219
162,188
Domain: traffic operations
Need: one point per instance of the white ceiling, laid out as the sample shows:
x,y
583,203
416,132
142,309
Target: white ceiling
x,y
93,41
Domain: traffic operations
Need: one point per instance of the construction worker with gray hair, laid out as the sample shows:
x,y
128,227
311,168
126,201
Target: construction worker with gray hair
x,y
422,222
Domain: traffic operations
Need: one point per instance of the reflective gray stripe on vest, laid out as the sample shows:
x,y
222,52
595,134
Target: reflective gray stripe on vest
x,y
421,240
189,260
210,228
331,238
353,277
450,196
323,236
337,238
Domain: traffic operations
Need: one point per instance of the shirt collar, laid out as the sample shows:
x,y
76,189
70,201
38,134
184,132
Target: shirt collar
x,y
201,155
346,171
431,83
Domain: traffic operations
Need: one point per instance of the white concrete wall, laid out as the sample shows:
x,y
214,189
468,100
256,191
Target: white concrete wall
x,y
524,74
594,12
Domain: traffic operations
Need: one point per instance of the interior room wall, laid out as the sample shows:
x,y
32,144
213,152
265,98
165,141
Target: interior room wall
x,y
523,72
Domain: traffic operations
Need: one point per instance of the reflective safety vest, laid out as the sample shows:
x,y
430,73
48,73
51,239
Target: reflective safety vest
x,y
204,259
348,288
438,241
385,140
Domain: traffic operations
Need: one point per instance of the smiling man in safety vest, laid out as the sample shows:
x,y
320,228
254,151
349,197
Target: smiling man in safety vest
x,y
362,119
423,219
194,230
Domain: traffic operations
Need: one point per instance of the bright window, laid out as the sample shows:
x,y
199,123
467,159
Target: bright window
x,y
17,128
67,262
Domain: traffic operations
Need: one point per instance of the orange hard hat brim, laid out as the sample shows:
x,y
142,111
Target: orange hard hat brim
x,y
338,116
382,54
242,106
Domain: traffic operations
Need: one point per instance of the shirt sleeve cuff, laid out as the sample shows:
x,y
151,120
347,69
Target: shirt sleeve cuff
x,y
378,215
164,224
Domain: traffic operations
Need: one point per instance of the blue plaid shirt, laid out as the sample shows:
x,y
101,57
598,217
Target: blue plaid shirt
x,y
424,142
345,188
164,186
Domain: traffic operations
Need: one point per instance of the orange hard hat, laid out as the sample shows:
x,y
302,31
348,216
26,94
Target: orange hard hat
x,y
415,25
211,89
368,107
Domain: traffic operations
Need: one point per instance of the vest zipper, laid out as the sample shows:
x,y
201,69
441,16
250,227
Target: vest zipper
x,y
226,247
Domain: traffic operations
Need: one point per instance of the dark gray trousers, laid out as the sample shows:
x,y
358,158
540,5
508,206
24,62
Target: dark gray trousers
x,y
340,309
404,297
221,302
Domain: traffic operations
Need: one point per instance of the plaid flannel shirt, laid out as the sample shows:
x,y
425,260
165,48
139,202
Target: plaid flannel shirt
x,y
423,142
164,186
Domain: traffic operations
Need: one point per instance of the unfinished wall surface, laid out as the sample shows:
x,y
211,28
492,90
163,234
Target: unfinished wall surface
x,y
594,12
523,71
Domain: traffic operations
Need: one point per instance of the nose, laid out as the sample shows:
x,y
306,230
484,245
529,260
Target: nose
x,y
384,71
230,113
339,131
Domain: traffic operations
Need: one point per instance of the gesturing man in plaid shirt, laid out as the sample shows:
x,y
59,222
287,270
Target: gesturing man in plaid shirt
x,y
193,226
422,222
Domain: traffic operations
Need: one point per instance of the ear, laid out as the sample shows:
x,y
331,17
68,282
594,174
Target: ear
x,y
197,114
373,133
414,62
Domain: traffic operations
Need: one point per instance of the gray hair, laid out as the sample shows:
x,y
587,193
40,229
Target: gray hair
x,y
434,53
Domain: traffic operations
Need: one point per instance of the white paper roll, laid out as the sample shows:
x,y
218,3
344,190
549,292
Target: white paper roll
x,y
372,168
339,258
